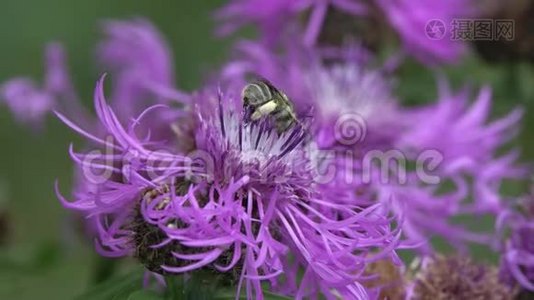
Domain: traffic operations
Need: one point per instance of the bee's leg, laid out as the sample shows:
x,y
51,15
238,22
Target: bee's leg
x,y
263,110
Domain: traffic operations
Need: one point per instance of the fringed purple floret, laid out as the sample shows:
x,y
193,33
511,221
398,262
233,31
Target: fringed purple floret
x,y
426,28
275,17
141,64
119,182
269,16
416,22
30,102
517,257
469,143
138,59
467,146
27,102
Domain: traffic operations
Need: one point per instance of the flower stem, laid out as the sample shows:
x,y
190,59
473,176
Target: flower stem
x,y
175,287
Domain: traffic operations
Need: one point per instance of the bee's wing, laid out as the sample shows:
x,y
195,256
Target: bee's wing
x,y
256,93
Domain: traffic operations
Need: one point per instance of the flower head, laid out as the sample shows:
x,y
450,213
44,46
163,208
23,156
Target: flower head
x,y
468,142
29,102
243,203
142,65
353,110
326,87
275,17
458,146
133,51
421,25
517,259
458,278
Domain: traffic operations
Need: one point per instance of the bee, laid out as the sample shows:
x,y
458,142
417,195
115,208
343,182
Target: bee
x,y
262,99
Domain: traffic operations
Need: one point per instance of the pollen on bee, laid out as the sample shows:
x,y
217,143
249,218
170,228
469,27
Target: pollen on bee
x,y
263,110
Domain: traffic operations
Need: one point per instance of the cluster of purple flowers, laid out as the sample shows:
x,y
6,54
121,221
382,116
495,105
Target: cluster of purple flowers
x,y
408,19
185,181
453,132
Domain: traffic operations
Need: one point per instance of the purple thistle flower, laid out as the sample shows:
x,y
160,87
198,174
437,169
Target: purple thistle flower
x,y
456,136
273,17
29,102
244,202
465,147
142,65
201,188
135,54
517,259
139,58
269,16
353,104
411,20
326,91
469,143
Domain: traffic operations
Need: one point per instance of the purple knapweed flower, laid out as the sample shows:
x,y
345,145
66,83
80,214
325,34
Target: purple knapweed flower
x,y
244,204
141,63
517,258
425,28
353,108
469,142
460,148
133,52
30,102
137,56
273,18
340,89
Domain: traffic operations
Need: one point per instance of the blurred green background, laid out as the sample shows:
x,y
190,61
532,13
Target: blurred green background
x,y
43,258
